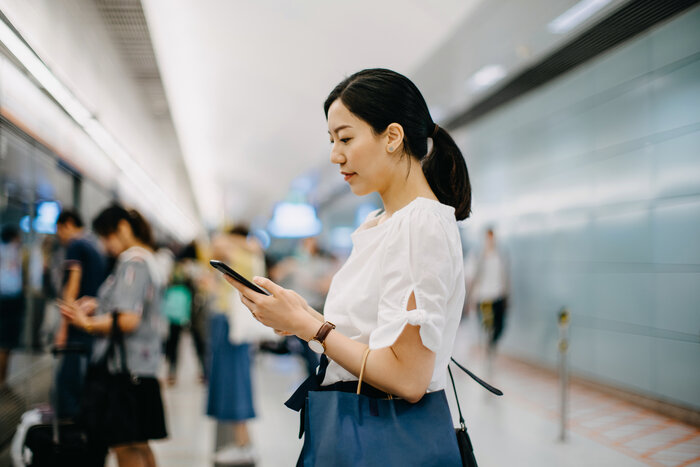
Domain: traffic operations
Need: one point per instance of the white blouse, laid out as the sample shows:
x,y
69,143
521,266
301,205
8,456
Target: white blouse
x,y
418,249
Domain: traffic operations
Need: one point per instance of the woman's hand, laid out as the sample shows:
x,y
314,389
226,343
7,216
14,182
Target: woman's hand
x,y
285,311
87,304
75,314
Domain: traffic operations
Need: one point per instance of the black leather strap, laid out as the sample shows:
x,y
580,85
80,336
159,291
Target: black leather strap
x,y
116,340
486,385
459,409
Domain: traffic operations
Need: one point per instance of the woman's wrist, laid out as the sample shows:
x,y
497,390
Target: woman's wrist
x,y
87,325
309,328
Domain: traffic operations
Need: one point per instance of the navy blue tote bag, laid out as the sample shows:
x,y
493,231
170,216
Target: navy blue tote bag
x,y
349,430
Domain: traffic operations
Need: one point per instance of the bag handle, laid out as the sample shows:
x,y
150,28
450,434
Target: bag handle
x,y
116,339
362,369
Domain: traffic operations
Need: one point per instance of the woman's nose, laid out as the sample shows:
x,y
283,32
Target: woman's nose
x,y
336,156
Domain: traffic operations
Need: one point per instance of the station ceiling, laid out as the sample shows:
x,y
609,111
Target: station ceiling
x,y
245,82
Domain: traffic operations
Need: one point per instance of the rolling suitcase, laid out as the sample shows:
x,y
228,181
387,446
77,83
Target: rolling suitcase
x,y
42,440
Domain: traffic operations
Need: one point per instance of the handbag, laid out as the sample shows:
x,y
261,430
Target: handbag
x,y
349,429
466,450
110,411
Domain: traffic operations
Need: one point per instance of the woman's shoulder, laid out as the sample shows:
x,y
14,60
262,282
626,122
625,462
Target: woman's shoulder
x,y
134,264
428,216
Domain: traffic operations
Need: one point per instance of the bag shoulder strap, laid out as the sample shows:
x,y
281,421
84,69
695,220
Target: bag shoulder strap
x,y
116,339
459,409
486,385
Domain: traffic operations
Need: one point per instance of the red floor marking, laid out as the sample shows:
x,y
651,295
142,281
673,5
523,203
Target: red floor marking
x,y
691,461
670,444
616,407
545,379
619,423
642,433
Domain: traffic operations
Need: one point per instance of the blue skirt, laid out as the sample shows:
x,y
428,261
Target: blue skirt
x,y
230,389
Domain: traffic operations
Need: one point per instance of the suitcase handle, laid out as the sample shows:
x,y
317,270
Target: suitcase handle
x,y
69,349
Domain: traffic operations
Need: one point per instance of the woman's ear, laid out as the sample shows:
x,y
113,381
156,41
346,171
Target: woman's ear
x,y
394,136
123,229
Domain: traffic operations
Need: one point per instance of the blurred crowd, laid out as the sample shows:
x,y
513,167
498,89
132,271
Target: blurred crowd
x,y
168,290
161,292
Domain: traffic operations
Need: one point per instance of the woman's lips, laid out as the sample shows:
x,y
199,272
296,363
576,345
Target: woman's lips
x,y
348,176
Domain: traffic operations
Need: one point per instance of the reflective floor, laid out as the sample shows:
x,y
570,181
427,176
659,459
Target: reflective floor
x,y
519,429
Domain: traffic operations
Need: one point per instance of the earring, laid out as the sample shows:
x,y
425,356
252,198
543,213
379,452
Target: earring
x,y
391,148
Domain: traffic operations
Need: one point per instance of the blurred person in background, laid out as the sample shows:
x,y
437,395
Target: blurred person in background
x,y
134,289
230,399
11,295
84,271
309,272
179,307
489,288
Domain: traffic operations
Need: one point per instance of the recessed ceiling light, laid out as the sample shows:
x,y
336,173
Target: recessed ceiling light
x,y
486,77
575,15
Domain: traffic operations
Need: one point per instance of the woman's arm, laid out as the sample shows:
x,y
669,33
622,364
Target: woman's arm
x,y
404,369
78,316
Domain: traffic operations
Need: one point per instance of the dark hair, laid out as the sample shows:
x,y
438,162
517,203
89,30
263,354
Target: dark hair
x,y
381,97
189,251
107,221
240,230
9,233
69,215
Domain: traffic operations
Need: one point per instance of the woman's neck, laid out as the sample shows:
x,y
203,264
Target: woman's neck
x,y
134,242
402,190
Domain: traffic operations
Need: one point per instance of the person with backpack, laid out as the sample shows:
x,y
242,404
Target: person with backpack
x,y
177,309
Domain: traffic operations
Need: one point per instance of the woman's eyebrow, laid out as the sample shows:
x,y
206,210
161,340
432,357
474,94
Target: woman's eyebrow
x,y
341,127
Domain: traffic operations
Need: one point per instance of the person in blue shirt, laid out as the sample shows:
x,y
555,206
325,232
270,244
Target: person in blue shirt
x,y
85,269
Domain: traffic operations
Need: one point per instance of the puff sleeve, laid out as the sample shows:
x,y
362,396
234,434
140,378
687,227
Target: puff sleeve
x,y
417,260
132,285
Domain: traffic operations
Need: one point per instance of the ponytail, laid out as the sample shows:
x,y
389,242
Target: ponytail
x,y
447,174
140,227
381,97
107,222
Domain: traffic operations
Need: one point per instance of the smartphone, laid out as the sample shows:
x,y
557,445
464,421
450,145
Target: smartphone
x,y
223,267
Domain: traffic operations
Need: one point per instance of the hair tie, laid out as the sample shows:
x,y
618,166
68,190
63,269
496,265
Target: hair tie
x,y
435,131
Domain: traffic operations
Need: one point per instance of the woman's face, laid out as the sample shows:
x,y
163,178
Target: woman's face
x,y
360,154
112,244
117,242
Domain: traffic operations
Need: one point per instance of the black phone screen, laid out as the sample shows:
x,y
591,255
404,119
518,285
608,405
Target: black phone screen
x,y
223,267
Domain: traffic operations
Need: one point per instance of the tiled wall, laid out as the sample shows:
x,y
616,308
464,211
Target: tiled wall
x,y
593,183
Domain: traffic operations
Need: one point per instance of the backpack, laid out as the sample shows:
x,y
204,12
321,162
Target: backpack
x,y
177,304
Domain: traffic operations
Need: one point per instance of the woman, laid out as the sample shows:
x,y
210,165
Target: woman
x,y
134,290
230,396
401,291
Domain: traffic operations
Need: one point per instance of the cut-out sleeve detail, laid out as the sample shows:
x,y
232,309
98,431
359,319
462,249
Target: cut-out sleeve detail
x,y
417,261
131,289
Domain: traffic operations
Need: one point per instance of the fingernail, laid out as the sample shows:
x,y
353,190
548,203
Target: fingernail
x,y
257,279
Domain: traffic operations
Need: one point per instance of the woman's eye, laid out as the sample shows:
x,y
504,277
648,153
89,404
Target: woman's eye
x,y
345,140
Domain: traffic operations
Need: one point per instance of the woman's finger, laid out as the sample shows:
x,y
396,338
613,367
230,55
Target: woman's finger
x,y
267,284
249,303
69,315
243,290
